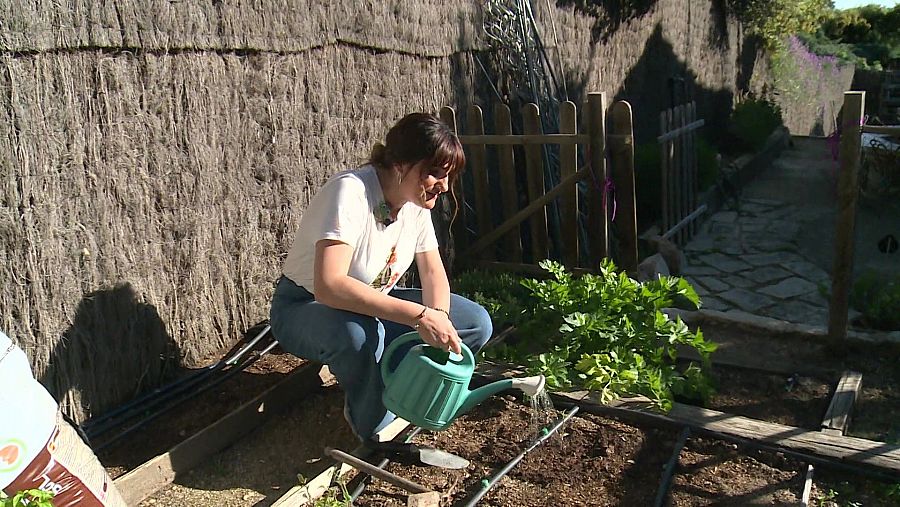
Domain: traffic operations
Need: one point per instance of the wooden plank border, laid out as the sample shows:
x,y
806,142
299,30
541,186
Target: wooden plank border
x,y
150,477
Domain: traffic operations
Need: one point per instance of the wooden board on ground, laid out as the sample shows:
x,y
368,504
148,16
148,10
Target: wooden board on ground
x,y
837,417
160,471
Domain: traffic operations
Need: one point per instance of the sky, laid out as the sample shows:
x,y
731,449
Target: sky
x,y
846,4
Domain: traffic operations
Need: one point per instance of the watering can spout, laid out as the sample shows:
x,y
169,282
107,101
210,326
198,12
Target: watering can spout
x,y
529,385
482,393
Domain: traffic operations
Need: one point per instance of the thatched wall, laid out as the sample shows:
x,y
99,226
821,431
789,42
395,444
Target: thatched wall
x,y
157,156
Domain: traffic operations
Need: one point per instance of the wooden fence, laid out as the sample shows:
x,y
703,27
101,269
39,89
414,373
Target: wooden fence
x,y
852,128
499,184
678,146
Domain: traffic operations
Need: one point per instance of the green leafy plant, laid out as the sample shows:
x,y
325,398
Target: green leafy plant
x,y
607,332
498,292
753,119
707,163
28,498
336,496
877,296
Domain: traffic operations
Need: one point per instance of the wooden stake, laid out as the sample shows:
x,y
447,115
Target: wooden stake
x,y
848,191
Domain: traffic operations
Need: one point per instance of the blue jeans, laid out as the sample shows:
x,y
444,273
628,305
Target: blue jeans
x,y
351,344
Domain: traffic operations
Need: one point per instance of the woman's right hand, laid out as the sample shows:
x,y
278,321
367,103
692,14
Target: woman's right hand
x,y
436,330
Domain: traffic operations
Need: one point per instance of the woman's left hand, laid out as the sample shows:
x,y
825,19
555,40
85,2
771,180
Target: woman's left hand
x,y
436,330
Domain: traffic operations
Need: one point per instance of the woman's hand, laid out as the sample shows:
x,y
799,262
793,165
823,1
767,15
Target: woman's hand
x,y
436,330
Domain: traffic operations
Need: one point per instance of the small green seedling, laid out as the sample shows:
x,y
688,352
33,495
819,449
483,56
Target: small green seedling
x,y
335,497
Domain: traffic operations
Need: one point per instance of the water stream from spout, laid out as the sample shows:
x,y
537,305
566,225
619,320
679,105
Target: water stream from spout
x,y
543,413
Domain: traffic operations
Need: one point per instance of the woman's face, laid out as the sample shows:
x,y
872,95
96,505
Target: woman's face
x,y
423,183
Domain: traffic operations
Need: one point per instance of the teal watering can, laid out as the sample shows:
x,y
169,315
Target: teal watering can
x,y
430,386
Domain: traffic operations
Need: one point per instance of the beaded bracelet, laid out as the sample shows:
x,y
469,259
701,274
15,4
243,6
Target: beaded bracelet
x,y
419,317
440,310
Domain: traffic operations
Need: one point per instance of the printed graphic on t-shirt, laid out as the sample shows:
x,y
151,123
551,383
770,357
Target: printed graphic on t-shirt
x,y
387,277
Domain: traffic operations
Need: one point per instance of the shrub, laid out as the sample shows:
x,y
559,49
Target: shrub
x,y
707,164
607,332
498,292
877,296
753,119
647,182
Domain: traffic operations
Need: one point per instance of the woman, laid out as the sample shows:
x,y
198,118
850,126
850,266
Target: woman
x,y
336,302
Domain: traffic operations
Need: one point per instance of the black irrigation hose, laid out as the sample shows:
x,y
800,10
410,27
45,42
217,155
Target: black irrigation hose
x,y
365,478
230,373
487,484
99,425
666,481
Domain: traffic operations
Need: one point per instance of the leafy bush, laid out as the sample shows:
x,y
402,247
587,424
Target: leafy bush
x,y
499,293
707,163
753,119
647,180
878,297
607,333
27,498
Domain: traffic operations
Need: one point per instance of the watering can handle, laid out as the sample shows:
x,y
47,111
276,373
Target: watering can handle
x,y
466,358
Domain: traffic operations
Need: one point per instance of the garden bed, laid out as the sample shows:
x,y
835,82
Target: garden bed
x,y
262,467
594,461
193,415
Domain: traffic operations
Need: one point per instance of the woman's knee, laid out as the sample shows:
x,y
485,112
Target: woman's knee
x,y
351,338
472,321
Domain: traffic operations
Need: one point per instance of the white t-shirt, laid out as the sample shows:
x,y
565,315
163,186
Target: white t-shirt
x,y
344,209
28,412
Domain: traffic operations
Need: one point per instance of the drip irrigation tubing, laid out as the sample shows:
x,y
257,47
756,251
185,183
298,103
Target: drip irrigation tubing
x,y
487,484
150,417
99,425
666,482
366,478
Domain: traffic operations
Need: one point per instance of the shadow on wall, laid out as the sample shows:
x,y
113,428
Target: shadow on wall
x,y
116,347
609,14
659,64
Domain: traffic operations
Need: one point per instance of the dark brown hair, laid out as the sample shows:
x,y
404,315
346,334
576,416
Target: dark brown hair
x,y
417,137
422,136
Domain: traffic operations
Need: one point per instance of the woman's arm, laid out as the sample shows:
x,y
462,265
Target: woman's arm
x,y
435,286
335,288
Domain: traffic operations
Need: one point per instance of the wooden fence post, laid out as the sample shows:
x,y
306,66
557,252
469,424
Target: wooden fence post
x,y
848,190
458,240
508,188
622,169
597,220
534,173
568,165
665,162
476,163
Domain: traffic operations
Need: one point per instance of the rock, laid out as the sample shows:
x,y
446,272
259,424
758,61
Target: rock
x,y
670,252
428,499
652,268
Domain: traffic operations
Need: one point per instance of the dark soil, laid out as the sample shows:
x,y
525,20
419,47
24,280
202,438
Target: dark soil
x,y
791,400
593,461
192,415
717,473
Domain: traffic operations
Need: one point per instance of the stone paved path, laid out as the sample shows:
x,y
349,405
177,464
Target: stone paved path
x,y
749,259
769,253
